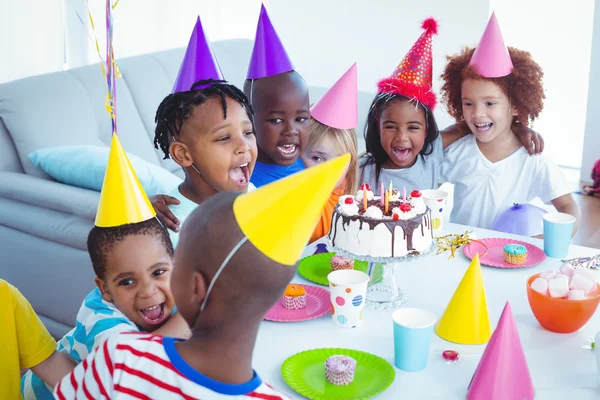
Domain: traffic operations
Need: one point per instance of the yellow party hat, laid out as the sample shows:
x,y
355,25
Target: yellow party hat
x,y
466,319
123,200
279,218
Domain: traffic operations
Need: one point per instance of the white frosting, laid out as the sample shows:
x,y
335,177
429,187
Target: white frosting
x,y
359,195
395,195
342,199
373,212
418,205
348,209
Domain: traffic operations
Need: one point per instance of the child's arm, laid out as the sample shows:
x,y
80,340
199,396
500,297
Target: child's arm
x,y
161,203
451,134
54,368
567,204
174,327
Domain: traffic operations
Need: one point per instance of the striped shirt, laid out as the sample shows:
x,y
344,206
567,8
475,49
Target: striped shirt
x,y
146,366
97,320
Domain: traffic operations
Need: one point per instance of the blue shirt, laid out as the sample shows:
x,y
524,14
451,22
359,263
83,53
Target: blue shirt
x,y
264,174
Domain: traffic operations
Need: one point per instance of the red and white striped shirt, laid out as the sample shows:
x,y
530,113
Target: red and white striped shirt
x,y
146,366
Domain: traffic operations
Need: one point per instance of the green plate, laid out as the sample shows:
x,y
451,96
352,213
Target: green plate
x,y
305,373
316,268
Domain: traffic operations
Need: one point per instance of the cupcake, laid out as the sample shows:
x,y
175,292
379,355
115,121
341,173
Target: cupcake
x,y
340,262
339,370
294,297
515,253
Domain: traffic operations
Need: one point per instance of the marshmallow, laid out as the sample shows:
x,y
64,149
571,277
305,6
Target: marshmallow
x,y
576,295
558,287
563,276
582,283
548,275
540,285
567,269
586,273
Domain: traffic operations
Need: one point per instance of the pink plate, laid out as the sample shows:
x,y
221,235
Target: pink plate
x,y
495,253
317,305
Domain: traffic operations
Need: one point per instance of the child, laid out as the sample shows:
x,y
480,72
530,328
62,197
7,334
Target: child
x,y
224,285
333,133
26,343
279,97
489,97
132,258
207,131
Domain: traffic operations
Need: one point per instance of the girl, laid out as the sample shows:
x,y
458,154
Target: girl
x,y
333,133
489,98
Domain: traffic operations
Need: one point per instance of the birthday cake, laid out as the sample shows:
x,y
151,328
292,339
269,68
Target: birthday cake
x,y
395,226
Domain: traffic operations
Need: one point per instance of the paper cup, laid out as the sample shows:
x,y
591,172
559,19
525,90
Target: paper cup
x,y
558,228
436,201
348,289
413,329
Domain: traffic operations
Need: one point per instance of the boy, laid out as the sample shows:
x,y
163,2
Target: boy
x,y
132,257
279,97
25,343
229,274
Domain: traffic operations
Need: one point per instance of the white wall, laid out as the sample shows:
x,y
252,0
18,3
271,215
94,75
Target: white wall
x,y
324,38
591,145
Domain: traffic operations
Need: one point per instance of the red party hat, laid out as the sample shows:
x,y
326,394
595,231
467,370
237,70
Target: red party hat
x,y
412,78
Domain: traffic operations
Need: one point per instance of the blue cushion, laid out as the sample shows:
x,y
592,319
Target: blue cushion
x,y
84,166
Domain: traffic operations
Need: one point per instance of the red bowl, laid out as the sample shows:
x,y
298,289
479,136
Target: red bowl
x,y
562,315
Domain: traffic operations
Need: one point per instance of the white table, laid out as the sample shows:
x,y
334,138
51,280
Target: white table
x,y
559,366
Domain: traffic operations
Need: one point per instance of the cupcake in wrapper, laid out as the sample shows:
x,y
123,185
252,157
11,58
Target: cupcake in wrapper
x,y
294,297
515,254
340,262
339,370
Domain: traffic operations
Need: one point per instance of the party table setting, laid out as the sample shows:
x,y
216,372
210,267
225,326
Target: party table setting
x,y
468,321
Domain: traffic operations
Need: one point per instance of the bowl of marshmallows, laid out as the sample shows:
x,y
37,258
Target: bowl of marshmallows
x,y
564,300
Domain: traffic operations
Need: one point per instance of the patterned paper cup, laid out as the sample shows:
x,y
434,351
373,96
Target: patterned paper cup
x,y
436,201
348,290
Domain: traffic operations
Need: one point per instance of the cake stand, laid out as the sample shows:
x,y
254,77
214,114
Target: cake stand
x,y
384,293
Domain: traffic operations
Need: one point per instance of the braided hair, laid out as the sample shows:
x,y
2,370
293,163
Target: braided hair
x,y
176,108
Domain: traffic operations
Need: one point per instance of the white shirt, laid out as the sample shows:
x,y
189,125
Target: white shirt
x,y
483,189
145,366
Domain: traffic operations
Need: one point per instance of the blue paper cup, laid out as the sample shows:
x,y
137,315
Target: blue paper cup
x,y
413,329
558,228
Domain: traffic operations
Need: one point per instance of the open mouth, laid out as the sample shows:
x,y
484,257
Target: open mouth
x,y
287,150
240,174
484,127
153,315
402,154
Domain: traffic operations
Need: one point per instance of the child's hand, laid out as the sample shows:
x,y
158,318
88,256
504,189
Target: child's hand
x,y
161,202
533,141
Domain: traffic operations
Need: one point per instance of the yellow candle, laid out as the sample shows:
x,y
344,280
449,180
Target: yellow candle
x,y
387,199
391,188
365,198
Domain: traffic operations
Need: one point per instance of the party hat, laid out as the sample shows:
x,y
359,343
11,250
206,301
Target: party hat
x,y
521,219
412,78
279,218
491,58
199,62
268,56
466,319
338,108
502,372
122,200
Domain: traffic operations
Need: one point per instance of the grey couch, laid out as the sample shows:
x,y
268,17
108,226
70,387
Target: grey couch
x,y
44,223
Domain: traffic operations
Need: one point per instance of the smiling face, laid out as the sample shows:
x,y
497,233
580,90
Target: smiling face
x,y
403,129
282,117
136,280
222,150
486,109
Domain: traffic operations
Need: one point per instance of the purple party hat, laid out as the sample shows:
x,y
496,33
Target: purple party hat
x,y
268,56
198,63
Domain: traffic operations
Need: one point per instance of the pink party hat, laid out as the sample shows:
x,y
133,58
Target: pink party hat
x,y
491,58
502,372
268,56
198,63
338,108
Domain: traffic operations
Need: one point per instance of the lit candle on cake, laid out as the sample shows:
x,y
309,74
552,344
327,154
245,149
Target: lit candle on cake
x,y
382,193
365,197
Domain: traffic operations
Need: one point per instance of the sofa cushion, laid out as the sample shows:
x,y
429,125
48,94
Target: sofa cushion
x,y
84,166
